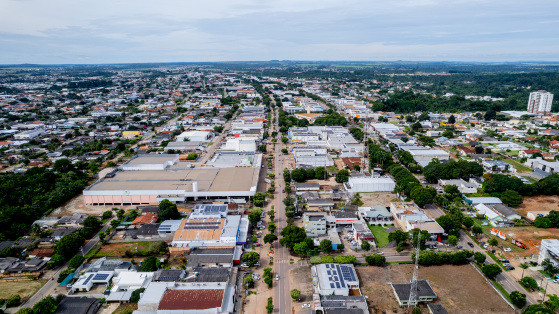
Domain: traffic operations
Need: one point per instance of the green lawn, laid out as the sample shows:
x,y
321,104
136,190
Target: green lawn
x,y
381,236
519,167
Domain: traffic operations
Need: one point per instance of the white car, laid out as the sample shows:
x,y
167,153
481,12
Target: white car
x,y
507,250
485,245
306,305
277,277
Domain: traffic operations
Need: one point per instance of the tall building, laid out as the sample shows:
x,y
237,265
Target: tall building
x,y
540,102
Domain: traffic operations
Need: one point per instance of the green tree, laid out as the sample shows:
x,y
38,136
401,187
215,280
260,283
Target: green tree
x,y
168,210
284,139
518,299
320,173
511,198
452,240
149,264
493,242
270,238
398,236
286,175
295,294
451,119
69,245
270,306
292,235
375,260
135,296
76,261
299,175
248,282
13,301
491,270
325,246
477,230
47,305
269,281
342,176
250,258
479,257
107,214
529,282
365,245
255,216
301,248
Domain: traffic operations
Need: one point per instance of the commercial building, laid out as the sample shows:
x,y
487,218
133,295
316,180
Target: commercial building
x,y
352,304
424,292
370,184
149,179
195,136
463,186
314,224
376,215
549,249
335,279
540,102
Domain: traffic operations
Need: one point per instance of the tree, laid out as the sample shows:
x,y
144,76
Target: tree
x,y
375,260
284,139
292,235
269,281
135,296
398,236
365,245
325,246
92,223
301,248
518,299
295,294
452,240
479,257
107,214
250,258
115,223
477,230
13,301
270,238
451,119
342,176
270,306
490,115
47,305
468,222
255,216
529,282
284,151
286,175
149,264
168,210
69,245
422,196
511,198
263,148
491,270
320,173
299,175
493,242
248,282
537,309
76,261
258,199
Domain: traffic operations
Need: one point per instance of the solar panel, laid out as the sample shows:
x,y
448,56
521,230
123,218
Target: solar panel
x,y
88,279
331,285
101,277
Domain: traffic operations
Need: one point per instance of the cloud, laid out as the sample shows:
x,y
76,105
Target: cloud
x,y
78,31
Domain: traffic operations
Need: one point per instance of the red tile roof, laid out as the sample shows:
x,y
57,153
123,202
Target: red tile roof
x,y
147,218
192,299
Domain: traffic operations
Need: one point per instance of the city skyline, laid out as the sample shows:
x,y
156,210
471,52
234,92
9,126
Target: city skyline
x,y
65,32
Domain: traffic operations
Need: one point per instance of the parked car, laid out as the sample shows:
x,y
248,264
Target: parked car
x,y
306,305
485,245
258,244
459,246
277,277
507,249
470,244
510,268
506,264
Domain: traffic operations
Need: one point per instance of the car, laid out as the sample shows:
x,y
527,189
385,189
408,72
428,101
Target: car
x,y
244,265
470,244
507,249
258,244
485,245
506,264
459,246
306,305
510,268
277,277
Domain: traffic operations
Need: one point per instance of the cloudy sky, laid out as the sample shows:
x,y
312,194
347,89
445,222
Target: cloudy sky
x,y
122,31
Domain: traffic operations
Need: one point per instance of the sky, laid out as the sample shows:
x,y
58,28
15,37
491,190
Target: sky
x,y
130,31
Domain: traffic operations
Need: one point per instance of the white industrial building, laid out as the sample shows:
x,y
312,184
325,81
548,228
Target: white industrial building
x,y
549,249
150,162
334,279
540,102
239,144
195,136
370,184
424,156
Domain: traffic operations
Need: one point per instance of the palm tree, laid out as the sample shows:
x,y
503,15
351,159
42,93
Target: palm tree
x,y
523,266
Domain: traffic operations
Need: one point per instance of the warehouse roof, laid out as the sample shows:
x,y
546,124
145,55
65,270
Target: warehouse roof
x,y
191,299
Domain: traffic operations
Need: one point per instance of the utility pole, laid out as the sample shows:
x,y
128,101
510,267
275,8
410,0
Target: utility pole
x,y
413,289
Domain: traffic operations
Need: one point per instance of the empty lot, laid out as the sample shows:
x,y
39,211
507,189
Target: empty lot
x,y
460,289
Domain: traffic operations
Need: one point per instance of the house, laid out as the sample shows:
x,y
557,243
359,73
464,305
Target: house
x,y
147,218
376,215
76,220
74,305
168,228
58,233
126,282
497,166
145,231
436,308
361,232
169,275
214,257
301,188
424,292
463,186
320,204
527,153
351,304
549,249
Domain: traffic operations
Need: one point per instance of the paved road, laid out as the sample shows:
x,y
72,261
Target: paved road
x,y
215,145
282,298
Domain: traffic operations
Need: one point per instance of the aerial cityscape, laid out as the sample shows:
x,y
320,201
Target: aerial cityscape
x,y
179,158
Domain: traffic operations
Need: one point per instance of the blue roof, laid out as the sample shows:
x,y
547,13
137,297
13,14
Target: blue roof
x,y
67,280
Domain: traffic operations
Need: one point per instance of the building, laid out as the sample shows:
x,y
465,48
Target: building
x,y
424,292
376,215
147,218
214,257
549,249
195,136
540,102
126,282
315,224
370,184
76,305
463,186
335,279
352,304
150,179
361,232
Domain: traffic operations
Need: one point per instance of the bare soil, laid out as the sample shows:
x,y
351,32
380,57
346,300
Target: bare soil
x,y
300,278
538,203
531,237
460,289
377,198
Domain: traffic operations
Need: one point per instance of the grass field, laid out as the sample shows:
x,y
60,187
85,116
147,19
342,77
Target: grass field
x,y
118,249
126,308
25,288
381,236
519,167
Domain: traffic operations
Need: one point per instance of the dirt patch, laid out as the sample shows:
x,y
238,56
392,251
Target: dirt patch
x,y
459,288
379,198
300,277
25,288
538,203
119,249
531,237
77,205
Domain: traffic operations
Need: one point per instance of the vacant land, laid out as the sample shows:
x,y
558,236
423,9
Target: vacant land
x,y
300,278
118,249
381,236
530,236
538,203
25,288
460,289
378,198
